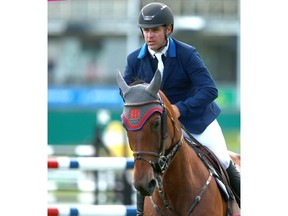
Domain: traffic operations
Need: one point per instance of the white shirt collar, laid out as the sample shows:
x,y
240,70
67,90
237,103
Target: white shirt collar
x,y
164,51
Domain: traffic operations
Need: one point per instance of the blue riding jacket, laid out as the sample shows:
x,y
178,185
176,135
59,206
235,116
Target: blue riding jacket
x,y
186,82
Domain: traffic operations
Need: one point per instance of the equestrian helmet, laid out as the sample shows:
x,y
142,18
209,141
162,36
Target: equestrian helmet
x,y
155,14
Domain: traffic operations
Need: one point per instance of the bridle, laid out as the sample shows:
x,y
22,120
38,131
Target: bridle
x,y
163,161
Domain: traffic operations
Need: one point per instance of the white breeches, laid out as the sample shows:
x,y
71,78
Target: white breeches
x,y
213,138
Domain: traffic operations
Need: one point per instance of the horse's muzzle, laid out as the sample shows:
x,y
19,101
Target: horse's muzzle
x,y
145,189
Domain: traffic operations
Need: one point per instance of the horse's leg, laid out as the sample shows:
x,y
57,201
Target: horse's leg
x,y
149,208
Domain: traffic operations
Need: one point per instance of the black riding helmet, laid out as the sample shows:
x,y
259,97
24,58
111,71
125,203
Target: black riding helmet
x,y
155,14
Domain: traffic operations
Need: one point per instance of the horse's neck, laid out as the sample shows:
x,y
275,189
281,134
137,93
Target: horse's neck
x,y
184,177
187,160
188,169
186,165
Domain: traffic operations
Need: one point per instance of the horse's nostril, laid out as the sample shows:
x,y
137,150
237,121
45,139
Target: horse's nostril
x,y
148,190
152,183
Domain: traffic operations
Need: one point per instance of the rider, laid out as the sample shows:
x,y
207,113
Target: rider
x,y
186,82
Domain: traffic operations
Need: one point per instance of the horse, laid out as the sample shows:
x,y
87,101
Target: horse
x,y
167,171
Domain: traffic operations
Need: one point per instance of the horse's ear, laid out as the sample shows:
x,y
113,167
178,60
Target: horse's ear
x,y
155,84
122,84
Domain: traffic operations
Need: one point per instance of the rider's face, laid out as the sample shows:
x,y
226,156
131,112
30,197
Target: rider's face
x,y
156,37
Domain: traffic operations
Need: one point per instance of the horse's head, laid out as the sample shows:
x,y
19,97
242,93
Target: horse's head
x,y
153,131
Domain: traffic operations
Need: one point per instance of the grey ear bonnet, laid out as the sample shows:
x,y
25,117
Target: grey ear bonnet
x,y
134,116
140,92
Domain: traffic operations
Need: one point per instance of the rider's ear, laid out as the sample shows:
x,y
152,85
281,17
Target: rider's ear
x,y
168,29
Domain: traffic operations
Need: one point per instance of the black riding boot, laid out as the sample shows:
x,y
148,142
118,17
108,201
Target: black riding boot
x,y
140,204
234,176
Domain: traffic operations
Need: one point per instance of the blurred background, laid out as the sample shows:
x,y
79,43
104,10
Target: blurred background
x,y
88,41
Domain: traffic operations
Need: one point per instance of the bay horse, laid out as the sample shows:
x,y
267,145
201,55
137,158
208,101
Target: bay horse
x,y
167,171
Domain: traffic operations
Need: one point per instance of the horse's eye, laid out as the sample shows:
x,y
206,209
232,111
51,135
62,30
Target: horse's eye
x,y
156,124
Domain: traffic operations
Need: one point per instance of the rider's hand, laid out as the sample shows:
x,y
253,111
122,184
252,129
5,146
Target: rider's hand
x,y
176,111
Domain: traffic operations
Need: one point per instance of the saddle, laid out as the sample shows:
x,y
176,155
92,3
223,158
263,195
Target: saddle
x,y
218,170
